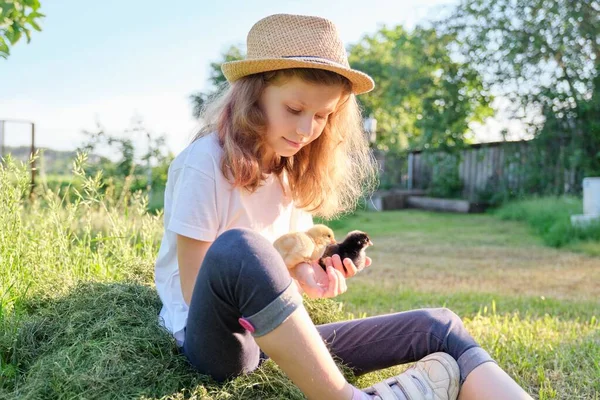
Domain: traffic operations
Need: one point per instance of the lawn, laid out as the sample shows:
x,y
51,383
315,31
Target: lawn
x,y
534,308
78,308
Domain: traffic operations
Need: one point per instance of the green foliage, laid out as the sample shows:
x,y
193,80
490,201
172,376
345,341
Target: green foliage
x,y
540,50
550,218
234,53
422,98
495,192
393,168
545,57
17,17
50,162
127,171
124,166
216,79
51,232
532,168
571,135
445,181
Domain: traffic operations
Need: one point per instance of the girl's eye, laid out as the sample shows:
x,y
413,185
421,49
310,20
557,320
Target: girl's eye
x,y
296,112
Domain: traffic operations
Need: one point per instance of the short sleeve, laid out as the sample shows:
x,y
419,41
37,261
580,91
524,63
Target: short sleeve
x,y
194,210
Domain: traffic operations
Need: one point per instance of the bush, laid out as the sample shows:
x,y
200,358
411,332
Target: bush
x,y
550,217
445,180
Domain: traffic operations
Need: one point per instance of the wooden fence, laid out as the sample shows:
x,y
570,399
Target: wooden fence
x,y
479,172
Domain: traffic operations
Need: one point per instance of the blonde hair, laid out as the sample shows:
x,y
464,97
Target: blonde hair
x,y
327,177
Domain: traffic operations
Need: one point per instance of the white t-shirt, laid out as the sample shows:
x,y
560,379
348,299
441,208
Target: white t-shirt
x,y
201,204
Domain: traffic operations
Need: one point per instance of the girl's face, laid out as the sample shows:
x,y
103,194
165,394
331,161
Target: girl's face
x,y
297,113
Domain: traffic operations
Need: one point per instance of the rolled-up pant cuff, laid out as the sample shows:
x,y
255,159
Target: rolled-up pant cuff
x,y
471,359
276,312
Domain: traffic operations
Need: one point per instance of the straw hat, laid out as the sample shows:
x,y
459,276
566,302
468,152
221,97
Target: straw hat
x,y
284,41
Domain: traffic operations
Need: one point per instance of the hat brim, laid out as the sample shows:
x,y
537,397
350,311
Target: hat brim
x,y
234,70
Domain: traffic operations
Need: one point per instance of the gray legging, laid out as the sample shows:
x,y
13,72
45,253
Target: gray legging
x,y
244,289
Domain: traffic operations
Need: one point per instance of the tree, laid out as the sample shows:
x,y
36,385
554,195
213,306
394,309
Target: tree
x,y
17,17
123,147
216,78
422,98
543,55
536,49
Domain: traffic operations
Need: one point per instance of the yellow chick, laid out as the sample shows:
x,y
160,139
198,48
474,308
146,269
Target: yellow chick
x,y
298,247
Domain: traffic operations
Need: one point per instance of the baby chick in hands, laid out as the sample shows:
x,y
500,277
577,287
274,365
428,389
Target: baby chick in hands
x,y
298,247
352,247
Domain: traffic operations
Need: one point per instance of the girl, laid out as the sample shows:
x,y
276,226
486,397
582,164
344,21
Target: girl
x,y
285,141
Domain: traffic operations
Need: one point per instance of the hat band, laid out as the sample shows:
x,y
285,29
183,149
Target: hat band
x,y
319,60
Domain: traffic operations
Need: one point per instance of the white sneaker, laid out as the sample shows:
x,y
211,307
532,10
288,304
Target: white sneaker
x,y
435,377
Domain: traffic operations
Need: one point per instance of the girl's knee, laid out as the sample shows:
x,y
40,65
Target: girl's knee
x,y
446,315
238,237
444,319
237,242
241,247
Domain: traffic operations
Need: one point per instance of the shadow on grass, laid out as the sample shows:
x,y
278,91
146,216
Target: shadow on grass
x,y
103,341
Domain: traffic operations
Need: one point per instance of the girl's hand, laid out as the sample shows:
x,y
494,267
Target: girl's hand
x,y
317,283
350,269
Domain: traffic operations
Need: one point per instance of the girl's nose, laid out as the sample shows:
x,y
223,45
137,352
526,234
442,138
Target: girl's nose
x,y
304,127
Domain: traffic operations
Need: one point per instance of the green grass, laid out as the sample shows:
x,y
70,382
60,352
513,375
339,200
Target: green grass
x,y
370,299
549,218
78,308
477,229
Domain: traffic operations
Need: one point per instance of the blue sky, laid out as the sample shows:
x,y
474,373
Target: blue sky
x,y
112,60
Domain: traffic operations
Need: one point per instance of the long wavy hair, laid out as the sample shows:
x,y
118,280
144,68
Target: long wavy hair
x,y
327,177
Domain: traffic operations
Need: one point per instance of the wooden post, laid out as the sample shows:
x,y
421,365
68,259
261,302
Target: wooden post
x,y
1,139
33,159
410,170
149,167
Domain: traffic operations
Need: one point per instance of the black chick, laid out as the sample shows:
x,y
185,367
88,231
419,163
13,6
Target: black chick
x,y
352,247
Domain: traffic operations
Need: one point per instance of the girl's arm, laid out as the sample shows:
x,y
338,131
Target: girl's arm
x,y
190,254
